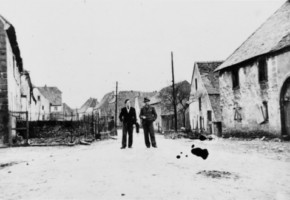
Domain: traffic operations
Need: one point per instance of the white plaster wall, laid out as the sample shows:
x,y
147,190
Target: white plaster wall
x,y
13,78
37,112
25,90
194,112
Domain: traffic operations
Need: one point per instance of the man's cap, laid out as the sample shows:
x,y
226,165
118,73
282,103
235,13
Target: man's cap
x,y
146,100
127,100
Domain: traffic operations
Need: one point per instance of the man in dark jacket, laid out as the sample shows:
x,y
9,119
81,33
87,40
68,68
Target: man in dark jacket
x,y
128,117
148,116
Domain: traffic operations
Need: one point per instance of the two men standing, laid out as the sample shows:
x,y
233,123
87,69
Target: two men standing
x,y
128,117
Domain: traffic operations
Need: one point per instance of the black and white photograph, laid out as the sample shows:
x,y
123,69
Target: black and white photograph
x,y
144,99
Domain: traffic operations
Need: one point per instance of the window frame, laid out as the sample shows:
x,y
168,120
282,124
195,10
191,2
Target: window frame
x,y
235,78
266,114
262,70
199,104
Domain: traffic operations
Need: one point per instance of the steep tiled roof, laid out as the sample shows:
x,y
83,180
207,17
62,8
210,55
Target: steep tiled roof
x,y
10,30
52,94
271,36
209,78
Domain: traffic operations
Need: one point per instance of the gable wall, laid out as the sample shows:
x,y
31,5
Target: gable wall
x,y
194,112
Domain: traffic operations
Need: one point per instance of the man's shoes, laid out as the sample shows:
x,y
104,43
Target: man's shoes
x,y
123,147
130,147
154,146
148,147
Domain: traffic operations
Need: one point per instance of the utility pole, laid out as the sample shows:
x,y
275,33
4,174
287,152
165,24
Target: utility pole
x,y
116,107
173,93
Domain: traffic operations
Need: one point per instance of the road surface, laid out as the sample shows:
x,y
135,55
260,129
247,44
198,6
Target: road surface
x,y
233,170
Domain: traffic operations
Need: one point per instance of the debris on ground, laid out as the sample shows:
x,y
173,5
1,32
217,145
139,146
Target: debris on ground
x,y
3,165
218,174
84,142
276,140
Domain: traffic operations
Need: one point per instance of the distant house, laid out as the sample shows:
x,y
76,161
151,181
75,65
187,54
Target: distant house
x,y
88,107
163,104
204,103
49,103
68,112
11,68
255,79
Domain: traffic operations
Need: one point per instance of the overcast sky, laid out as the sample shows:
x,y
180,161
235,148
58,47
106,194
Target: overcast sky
x,y
84,46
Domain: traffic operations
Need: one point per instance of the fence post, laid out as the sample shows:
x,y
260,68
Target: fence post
x,y
86,127
98,122
92,125
9,129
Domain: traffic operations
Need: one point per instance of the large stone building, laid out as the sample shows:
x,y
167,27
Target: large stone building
x,y
255,79
10,78
204,103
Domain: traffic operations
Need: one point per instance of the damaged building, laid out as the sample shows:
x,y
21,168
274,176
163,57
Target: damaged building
x,y
255,79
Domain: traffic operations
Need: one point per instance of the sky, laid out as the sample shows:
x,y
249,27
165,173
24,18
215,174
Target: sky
x,y
84,46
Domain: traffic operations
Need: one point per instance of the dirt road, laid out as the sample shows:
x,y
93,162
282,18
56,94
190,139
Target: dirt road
x,y
233,170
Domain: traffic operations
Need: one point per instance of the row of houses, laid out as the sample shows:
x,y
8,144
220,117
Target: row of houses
x,y
18,95
250,90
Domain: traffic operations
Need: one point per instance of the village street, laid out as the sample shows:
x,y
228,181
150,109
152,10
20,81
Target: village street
x,y
104,171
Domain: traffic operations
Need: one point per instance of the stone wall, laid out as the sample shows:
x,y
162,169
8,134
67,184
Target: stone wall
x,y
241,108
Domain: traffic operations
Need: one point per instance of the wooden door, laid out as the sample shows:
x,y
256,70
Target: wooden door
x,y
285,108
287,117
209,121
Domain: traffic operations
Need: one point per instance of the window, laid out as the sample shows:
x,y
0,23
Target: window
x,y
196,84
42,107
265,111
38,98
235,78
263,70
199,103
209,115
55,108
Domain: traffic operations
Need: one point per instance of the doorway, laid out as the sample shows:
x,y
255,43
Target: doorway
x,y
285,108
